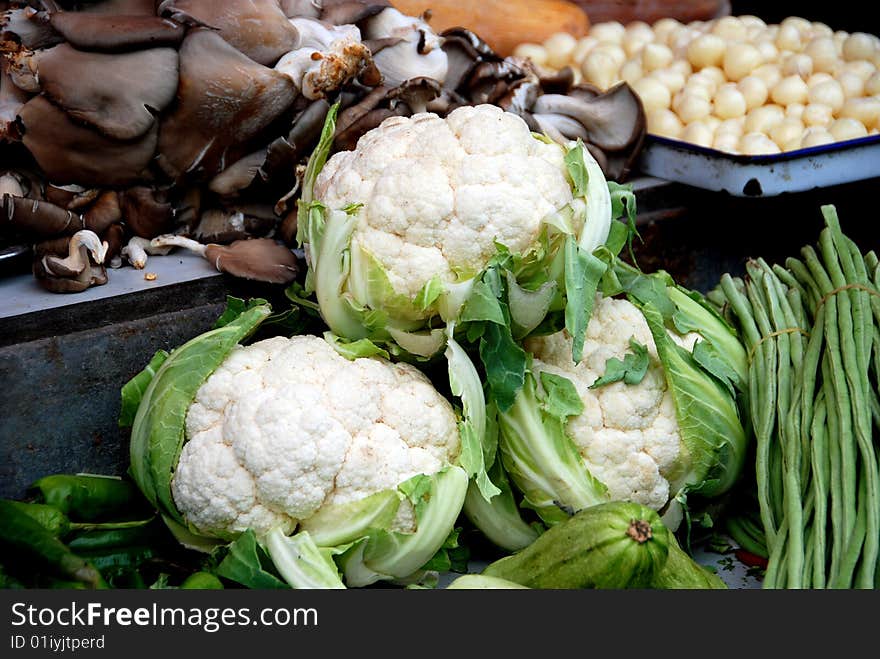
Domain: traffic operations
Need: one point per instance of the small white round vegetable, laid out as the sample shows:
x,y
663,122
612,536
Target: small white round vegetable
x,y
631,71
665,123
769,73
691,107
673,80
817,114
799,64
757,144
823,52
847,128
817,78
698,87
767,48
828,93
858,45
560,47
584,47
795,110
663,28
730,28
791,89
715,74
608,31
862,68
754,91
654,94
726,142
638,35
751,21
532,51
706,50
740,59
735,127
820,29
816,136
729,102
853,85
872,85
866,110
683,67
789,38
656,56
698,133
600,69
762,119
711,122
617,54
787,134
802,25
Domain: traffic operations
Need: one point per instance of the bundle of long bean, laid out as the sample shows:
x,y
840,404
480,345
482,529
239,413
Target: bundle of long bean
x,y
813,332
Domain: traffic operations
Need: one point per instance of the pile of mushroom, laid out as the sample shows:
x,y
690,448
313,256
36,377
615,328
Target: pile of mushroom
x,y
124,121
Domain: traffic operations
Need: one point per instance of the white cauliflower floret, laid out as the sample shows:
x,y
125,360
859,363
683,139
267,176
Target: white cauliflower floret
x,y
437,194
286,426
627,434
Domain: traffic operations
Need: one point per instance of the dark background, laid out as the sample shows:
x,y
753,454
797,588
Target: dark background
x,y
849,16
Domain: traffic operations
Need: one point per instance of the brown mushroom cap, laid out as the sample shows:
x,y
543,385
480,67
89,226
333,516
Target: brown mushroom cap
x,y
12,99
28,28
259,259
614,120
41,219
120,7
145,213
257,28
117,93
71,153
109,32
224,100
104,212
350,12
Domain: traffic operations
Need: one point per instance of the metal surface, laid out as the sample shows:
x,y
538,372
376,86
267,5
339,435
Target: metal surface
x,y
762,176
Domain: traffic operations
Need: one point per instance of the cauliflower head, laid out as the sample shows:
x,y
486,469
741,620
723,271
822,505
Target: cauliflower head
x,y
627,435
286,426
434,195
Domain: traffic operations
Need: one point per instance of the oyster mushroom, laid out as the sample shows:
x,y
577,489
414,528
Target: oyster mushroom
x,y
224,100
112,32
81,267
416,94
12,99
120,7
40,219
349,12
145,212
118,94
257,28
69,152
138,250
419,52
612,120
258,259
104,212
28,28
325,58
114,236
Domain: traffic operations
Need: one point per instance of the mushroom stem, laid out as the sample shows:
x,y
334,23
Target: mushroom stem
x,y
77,259
169,240
138,250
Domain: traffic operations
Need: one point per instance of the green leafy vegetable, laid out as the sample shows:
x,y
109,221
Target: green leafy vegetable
x,y
631,370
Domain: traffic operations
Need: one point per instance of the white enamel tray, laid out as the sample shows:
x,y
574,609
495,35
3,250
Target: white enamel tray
x,y
761,176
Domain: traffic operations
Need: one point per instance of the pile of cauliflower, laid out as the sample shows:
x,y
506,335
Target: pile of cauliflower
x,y
466,237
288,425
